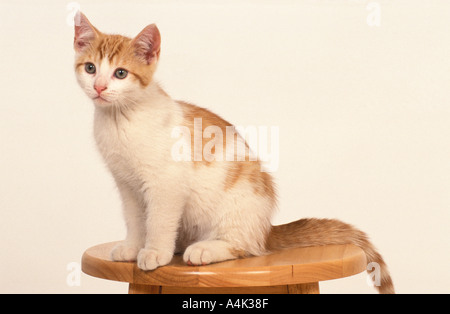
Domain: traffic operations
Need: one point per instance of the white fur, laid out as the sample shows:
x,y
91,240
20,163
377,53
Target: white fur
x,y
169,206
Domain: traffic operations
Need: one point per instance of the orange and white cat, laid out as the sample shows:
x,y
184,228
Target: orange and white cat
x,y
210,211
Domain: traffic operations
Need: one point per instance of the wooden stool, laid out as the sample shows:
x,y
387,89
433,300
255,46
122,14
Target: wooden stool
x,y
287,271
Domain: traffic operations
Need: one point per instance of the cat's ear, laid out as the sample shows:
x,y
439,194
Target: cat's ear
x,y
147,44
85,33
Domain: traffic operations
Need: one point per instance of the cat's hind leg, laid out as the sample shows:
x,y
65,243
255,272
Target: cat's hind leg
x,y
212,251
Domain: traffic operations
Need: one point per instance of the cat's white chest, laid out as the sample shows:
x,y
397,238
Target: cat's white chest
x,y
126,147
137,148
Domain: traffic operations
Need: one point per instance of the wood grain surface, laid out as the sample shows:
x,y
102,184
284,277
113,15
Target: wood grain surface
x,y
282,270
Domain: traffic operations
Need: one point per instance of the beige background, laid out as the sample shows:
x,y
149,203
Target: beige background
x,y
363,112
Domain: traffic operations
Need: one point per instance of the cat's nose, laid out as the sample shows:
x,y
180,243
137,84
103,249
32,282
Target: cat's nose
x,y
99,88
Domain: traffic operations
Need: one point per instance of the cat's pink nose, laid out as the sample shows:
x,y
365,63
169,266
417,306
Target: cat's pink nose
x,y
99,88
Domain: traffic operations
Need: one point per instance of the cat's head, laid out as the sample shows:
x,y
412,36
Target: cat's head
x,y
114,70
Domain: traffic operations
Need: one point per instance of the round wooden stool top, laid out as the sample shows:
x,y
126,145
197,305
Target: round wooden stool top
x,y
285,267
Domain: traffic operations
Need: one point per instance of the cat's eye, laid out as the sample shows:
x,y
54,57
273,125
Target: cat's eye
x,y
121,73
90,68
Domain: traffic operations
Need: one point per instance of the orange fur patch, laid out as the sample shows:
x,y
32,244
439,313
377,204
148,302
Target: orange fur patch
x,y
192,112
262,182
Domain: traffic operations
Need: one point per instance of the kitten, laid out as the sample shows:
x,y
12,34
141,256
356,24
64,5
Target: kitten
x,y
210,211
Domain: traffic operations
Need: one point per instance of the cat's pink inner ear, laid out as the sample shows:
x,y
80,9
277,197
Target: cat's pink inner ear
x,y
84,32
148,44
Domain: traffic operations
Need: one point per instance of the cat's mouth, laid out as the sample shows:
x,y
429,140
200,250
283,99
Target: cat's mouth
x,y
100,100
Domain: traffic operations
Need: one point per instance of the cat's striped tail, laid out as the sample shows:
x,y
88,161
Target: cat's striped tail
x,y
316,232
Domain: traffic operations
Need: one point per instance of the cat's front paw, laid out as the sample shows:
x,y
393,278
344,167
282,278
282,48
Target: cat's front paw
x,y
149,259
123,252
